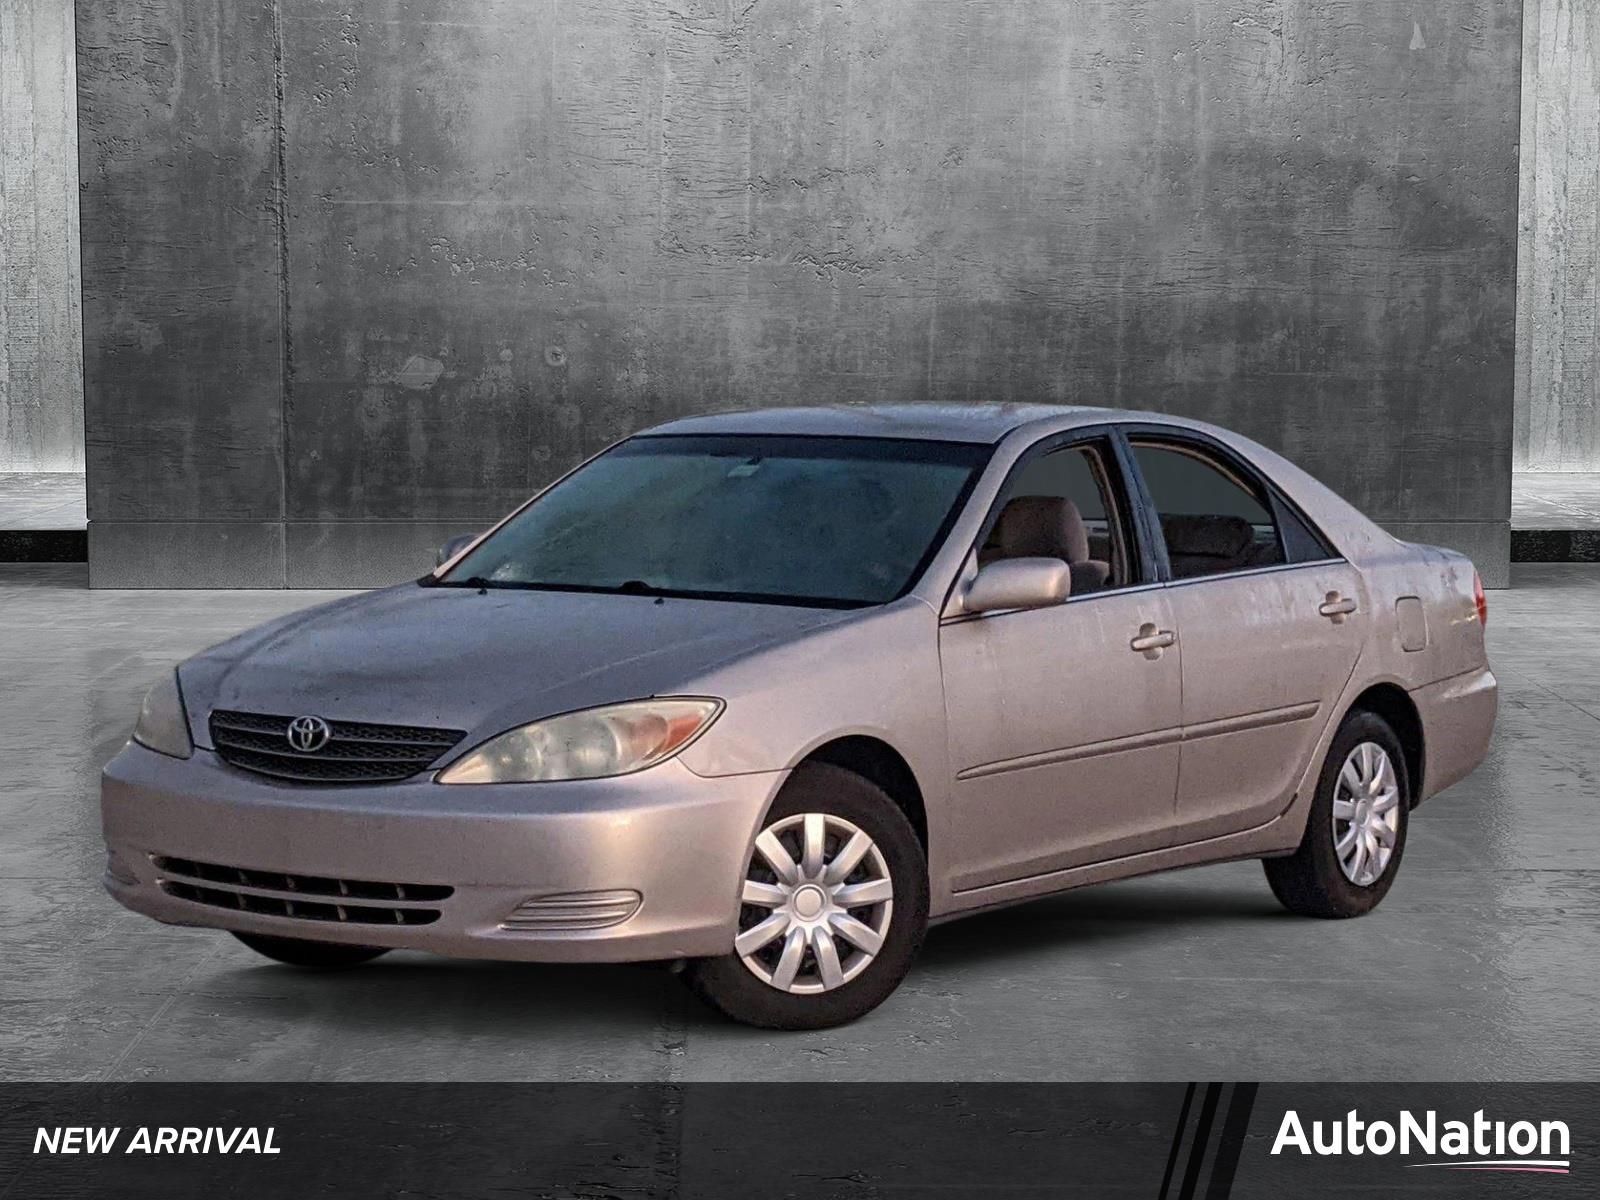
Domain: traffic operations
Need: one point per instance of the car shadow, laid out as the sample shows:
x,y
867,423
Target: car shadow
x,y
414,991
1127,911
419,993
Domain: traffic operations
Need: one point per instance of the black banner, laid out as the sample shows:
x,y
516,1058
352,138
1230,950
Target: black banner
x,y
818,1141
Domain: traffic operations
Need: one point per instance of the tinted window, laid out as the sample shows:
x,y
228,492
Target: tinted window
x,y
841,521
1301,542
1213,522
1061,505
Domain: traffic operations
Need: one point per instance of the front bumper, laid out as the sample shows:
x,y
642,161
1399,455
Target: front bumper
x,y
678,840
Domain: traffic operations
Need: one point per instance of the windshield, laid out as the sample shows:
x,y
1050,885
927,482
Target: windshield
x,y
827,521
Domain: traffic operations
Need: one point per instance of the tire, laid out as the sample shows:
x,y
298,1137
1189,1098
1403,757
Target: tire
x,y
1313,881
298,952
750,991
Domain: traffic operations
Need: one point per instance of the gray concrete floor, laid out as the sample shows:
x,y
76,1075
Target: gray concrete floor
x,y
1566,500
42,500
1483,963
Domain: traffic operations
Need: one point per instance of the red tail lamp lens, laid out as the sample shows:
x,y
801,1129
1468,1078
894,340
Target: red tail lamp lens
x,y
1480,599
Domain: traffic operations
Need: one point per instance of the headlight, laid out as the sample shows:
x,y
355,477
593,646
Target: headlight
x,y
615,740
162,726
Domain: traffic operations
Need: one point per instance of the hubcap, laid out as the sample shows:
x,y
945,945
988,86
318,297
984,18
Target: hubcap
x,y
1366,814
815,905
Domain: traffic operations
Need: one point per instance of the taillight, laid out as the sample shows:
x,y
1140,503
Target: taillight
x,y
1480,599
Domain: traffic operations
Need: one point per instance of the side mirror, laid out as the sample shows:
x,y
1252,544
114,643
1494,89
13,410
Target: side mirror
x,y
1018,583
454,547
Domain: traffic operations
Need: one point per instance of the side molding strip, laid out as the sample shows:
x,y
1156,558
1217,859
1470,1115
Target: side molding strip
x,y
1141,741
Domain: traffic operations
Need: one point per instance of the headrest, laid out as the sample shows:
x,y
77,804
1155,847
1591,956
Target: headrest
x,y
1213,537
1044,527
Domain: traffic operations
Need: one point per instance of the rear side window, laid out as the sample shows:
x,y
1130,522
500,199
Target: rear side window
x,y
1213,521
1301,542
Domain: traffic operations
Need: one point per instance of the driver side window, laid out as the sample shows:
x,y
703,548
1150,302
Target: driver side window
x,y
1060,505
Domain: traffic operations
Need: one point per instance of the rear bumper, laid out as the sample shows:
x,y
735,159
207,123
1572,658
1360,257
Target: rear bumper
x,y
1457,721
677,840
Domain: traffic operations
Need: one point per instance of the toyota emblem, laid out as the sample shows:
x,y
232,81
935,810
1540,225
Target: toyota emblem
x,y
309,734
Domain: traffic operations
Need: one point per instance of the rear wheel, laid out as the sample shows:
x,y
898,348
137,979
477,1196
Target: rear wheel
x,y
298,952
1356,830
833,907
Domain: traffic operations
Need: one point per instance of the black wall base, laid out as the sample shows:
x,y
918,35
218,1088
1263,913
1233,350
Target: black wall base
x,y
1555,545
44,545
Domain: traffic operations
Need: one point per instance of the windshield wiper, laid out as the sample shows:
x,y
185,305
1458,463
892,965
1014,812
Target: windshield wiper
x,y
628,587
473,581
641,587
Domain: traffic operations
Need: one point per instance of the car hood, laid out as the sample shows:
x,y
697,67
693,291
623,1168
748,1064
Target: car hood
x,y
456,658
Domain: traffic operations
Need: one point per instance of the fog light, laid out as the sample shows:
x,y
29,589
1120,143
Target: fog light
x,y
565,912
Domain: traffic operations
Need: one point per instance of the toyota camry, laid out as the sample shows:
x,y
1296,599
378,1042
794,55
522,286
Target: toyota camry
x,y
766,694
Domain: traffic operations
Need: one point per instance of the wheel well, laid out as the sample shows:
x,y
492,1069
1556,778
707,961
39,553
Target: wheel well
x,y
880,764
1395,707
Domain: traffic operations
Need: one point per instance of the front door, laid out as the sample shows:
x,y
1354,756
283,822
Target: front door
x,y
1064,722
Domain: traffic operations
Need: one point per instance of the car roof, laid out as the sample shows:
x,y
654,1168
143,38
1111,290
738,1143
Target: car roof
x,y
982,422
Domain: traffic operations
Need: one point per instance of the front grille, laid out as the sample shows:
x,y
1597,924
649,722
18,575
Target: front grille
x,y
356,752
303,897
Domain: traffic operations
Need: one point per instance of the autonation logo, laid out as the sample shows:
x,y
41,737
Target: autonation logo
x,y
1476,1145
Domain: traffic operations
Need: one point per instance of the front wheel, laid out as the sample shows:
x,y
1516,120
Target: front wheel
x,y
298,952
832,908
1356,830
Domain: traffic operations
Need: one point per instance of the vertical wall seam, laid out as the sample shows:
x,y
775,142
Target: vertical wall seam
x,y
1527,235
285,332
73,169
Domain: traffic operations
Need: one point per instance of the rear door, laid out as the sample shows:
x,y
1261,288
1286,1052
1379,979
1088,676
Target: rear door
x,y
1270,621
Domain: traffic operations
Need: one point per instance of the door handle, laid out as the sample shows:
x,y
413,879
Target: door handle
x,y
1336,607
1152,641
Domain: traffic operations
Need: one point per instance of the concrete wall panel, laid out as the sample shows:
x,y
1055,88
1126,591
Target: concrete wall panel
x,y
186,554
515,232
1558,317
181,263
41,346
